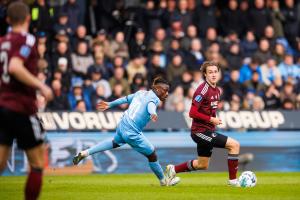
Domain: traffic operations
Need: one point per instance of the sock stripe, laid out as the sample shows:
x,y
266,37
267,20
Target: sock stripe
x,y
233,156
190,165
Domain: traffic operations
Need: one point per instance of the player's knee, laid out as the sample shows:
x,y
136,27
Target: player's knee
x,y
234,145
152,157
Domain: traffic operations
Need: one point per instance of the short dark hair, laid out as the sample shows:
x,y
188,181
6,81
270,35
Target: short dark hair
x,y
159,80
207,64
17,12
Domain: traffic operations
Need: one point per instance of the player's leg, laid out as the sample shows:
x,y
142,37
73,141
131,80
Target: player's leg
x,y
34,181
4,153
116,142
30,138
204,150
233,147
142,145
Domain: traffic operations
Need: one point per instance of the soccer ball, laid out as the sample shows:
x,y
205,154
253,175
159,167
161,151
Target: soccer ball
x,y
247,179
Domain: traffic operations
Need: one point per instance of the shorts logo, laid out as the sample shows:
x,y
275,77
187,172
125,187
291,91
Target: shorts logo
x,y
204,137
214,135
198,98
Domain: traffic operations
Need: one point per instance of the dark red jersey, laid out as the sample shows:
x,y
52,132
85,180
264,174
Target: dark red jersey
x,y
204,106
14,95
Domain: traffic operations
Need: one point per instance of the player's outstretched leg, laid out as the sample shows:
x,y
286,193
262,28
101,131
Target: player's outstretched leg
x,y
233,147
102,146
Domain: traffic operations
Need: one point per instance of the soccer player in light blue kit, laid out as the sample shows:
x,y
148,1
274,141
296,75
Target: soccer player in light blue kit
x,y
142,109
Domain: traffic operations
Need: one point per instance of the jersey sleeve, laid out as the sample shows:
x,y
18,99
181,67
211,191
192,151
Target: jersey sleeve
x,y
24,49
197,101
151,107
122,100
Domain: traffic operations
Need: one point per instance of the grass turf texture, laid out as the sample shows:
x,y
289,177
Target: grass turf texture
x,y
145,186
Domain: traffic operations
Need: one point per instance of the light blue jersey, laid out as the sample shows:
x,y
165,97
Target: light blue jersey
x,y
137,115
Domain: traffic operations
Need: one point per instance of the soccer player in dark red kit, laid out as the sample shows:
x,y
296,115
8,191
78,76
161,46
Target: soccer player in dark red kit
x,y
203,112
18,87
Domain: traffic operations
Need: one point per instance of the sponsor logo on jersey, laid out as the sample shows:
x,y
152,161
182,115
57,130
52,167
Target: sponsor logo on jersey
x,y
214,135
214,104
198,98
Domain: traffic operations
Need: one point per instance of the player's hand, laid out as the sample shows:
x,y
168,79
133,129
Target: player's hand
x,y
153,117
102,106
46,92
215,121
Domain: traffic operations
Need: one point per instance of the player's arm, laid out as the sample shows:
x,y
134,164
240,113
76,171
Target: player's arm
x,y
17,69
103,105
195,114
151,107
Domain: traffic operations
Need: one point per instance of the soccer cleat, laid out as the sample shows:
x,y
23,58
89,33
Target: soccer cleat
x,y
78,158
234,183
163,182
170,172
174,181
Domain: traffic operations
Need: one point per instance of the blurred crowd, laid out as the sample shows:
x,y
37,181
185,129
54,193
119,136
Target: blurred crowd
x,y
104,49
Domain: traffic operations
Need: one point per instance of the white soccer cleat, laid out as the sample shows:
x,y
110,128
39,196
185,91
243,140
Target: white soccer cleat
x,y
174,181
234,183
170,172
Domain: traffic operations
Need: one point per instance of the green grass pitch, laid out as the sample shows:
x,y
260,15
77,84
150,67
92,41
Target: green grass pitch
x,y
200,186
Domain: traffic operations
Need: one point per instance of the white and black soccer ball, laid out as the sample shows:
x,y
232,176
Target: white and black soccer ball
x,y
247,179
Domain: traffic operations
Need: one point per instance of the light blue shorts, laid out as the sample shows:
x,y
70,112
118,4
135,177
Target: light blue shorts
x,y
136,139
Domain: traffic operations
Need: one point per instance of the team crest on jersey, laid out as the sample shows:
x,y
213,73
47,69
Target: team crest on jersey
x,y
198,98
25,51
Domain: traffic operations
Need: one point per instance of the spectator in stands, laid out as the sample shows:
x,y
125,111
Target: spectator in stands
x,y
77,93
197,79
176,30
263,52
138,83
259,18
41,103
138,45
194,57
72,10
152,16
174,49
62,51
230,19
81,59
118,78
102,41
158,49
155,68
118,46
277,19
269,34
234,57
62,24
248,100
288,93
98,96
185,15
175,68
289,71
175,101
233,86
185,82
96,78
279,52
191,34
160,36
258,104
99,64
272,98
60,100
247,69
205,17
80,35
245,16
288,104
254,84
64,73
135,66
249,45
291,23
118,92
270,73
210,38
41,17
